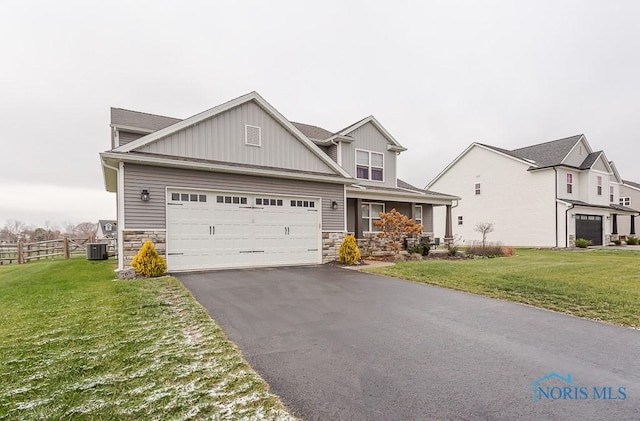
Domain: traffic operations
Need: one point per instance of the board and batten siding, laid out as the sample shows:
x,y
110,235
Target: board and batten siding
x,y
222,138
368,137
128,137
151,214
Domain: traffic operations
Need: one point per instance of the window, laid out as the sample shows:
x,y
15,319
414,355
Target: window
x,y
611,195
460,220
302,203
625,201
477,187
229,199
369,165
188,197
569,182
370,213
417,215
599,189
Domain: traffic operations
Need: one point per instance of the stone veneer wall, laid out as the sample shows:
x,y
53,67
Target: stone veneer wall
x,y
132,241
330,244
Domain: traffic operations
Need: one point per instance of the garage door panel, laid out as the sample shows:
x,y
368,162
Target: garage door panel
x,y
235,230
589,227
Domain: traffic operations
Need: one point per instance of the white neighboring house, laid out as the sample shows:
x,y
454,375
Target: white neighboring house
x,y
544,195
107,229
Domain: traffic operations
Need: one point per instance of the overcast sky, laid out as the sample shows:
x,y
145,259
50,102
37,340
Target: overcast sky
x,y
438,75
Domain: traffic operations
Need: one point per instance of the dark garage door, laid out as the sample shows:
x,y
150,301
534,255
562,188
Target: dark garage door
x,y
589,227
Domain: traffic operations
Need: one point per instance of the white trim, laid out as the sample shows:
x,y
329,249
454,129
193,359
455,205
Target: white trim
x,y
421,214
364,194
131,129
339,153
370,218
120,214
253,193
174,163
370,166
459,157
252,96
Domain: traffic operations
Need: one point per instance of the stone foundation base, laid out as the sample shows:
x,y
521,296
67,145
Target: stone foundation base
x,y
132,242
331,242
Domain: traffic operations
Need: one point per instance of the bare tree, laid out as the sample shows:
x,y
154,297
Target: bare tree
x,y
14,229
484,228
86,230
68,227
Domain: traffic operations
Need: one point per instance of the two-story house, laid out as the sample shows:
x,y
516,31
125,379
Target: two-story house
x,y
240,185
544,195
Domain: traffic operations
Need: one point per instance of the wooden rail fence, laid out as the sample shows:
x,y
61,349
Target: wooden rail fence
x,y
22,252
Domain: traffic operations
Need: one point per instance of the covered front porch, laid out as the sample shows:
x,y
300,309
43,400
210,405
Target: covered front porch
x,y
364,204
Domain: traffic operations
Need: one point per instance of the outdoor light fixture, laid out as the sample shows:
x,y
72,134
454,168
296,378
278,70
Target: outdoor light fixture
x,y
144,195
334,205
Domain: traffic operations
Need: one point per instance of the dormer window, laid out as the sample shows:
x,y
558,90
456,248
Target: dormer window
x,y
369,165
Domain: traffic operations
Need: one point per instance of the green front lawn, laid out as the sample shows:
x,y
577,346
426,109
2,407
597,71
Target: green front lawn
x,y
74,344
598,284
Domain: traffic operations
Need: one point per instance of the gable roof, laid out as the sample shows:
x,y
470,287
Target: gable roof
x,y
313,132
631,184
394,144
548,154
138,120
252,96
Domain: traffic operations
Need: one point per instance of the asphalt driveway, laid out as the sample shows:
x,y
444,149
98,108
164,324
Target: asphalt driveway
x,y
337,344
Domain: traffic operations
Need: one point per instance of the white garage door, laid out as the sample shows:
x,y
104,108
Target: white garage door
x,y
210,230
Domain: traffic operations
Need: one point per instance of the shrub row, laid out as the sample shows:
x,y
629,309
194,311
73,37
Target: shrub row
x,y
489,251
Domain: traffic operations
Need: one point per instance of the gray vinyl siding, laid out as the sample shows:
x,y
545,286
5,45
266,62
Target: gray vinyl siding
x,y
151,214
402,207
126,137
222,138
369,138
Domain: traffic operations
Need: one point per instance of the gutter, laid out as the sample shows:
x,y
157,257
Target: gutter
x,y
555,203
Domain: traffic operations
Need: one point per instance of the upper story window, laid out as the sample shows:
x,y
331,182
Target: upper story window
x,y
477,188
611,194
371,212
460,221
569,183
599,188
417,215
625,201
369,165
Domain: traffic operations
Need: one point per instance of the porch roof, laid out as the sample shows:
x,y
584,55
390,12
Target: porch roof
x,y
405,192
618,209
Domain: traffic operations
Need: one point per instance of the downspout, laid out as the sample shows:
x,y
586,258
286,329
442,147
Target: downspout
x,y
119,211
566,226
555,203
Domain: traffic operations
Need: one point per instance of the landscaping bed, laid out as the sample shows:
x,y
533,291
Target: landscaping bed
x,y
75,344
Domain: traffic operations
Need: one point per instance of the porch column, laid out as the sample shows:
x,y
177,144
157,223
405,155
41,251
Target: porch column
x,y
633,225
614,221
359,231
448,235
